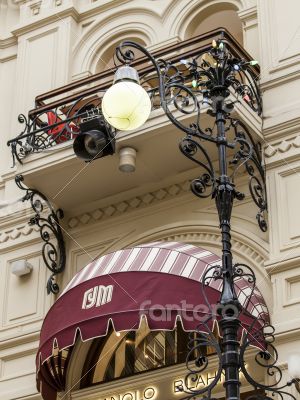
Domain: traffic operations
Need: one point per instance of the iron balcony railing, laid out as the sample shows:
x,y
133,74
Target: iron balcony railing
x,y
58,113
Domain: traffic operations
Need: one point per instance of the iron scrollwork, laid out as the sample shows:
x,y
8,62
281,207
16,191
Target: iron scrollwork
x,y
182,87
257,334
54,254
206,81
52,127
252,161
189,85
204,186
244,157
260,335
266,358
216,80
198,361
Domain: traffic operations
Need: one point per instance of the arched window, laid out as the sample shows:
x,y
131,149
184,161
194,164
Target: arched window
x,y
218,15
123,354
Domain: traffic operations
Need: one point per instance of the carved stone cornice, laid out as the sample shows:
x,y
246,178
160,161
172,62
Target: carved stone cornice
x,y
282,147
46,20
130,204
279,152
12,234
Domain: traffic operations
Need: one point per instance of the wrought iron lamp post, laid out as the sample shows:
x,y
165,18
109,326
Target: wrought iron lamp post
x,y
216,80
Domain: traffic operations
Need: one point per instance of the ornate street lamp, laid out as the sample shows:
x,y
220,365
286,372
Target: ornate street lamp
x,y
215,80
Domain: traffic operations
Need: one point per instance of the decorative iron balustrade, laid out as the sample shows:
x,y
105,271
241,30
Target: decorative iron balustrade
x,y
58,113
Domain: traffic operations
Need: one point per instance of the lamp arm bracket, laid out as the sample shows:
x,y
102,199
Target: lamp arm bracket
x,y
48,222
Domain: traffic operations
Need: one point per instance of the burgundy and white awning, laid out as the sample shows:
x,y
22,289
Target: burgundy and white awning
x,y
157,281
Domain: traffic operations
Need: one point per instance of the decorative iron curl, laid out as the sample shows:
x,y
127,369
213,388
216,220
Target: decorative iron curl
x,y
243,273
198,361
258,194
52,127
204,186
245,153
20,149
244,148
174,94
251,158
267,358
54,255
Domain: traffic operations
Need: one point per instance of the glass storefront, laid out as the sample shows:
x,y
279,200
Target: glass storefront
x,y
133,353
144,364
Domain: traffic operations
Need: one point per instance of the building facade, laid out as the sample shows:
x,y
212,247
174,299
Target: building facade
x,y
47,44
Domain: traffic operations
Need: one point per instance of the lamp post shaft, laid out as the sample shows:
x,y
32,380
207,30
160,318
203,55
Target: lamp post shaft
x,y
229,303
230,357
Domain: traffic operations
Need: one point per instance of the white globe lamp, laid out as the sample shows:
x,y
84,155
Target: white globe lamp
x,y
126,105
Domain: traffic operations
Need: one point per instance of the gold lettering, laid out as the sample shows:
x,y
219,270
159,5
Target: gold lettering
x,y
211,377
149,393
126,396
200,381
178,386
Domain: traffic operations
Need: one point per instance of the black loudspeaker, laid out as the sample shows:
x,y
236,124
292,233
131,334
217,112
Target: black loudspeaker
x,y
95,139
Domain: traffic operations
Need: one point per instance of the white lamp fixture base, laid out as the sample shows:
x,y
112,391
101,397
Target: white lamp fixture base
x,y
21,267
127,159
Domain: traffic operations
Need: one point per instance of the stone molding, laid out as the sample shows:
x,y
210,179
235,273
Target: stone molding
x,y
11,232
282,130
280,264
16,232
283,152
10,342
282,147
46,20
248,14
133,203
8,42
268,83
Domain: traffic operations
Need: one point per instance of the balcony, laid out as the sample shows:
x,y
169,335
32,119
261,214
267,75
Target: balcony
x,y
44,152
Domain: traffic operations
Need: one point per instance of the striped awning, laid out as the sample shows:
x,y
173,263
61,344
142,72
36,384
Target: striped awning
x,y
157,281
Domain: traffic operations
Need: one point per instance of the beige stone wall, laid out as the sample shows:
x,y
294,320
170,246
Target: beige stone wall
x,y
48,43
